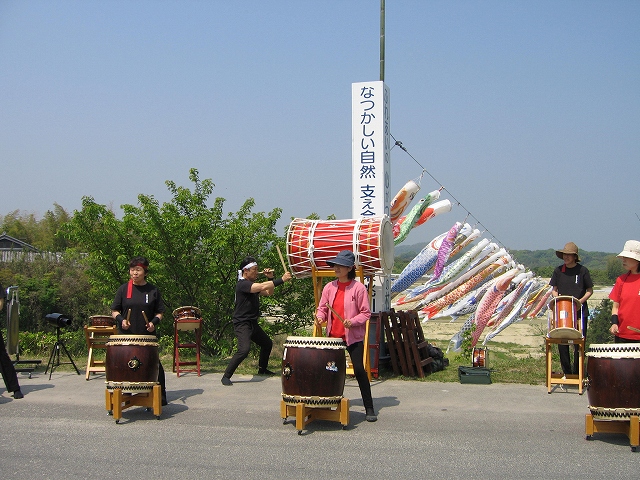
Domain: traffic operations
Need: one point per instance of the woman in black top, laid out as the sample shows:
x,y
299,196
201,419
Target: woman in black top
x,y
138,308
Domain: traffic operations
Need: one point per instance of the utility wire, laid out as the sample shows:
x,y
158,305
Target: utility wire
x,y
399,144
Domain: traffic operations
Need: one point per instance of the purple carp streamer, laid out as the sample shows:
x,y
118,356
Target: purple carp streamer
x,y
445,249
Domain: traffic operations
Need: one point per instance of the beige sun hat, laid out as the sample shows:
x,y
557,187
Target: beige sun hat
x,y
631,250
569,248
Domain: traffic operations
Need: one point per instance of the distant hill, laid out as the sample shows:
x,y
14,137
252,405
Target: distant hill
x,y
532,259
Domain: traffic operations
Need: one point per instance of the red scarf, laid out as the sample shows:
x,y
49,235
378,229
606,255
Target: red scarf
x,y
130,288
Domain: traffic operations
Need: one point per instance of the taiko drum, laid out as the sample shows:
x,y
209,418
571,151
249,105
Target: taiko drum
x,y
132,362
566,312
311,242
480,357
313,371
613,380
102,321
181,313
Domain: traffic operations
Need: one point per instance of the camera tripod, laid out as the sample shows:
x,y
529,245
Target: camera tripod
x,y
55,352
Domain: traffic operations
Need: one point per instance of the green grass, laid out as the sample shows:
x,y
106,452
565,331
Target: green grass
x,y
509,362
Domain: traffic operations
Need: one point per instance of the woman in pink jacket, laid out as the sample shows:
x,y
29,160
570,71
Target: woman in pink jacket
x,y
350,301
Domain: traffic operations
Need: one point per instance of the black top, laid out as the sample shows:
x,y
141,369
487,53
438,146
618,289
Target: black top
x,y
572,281
145,298
247,303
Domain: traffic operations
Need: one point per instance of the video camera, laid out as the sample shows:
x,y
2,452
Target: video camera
x,y
58,319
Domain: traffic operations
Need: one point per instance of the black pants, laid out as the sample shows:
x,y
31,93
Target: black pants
x,y
9,374
563,350
247,332
161,380
356,352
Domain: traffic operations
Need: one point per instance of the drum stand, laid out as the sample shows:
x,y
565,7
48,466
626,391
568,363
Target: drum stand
x,y
559,378
117,401
305,414
630,428
55,352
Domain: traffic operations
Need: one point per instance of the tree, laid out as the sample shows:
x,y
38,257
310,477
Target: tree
x,y
194,253
600,323
50,284
614,268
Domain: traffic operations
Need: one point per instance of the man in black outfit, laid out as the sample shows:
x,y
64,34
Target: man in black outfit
x,y
247,313
9,374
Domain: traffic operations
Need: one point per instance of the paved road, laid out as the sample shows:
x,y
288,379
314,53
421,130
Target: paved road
x,y
425,430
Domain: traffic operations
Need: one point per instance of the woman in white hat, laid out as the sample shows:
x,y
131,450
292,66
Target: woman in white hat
x,y
347,319
625,314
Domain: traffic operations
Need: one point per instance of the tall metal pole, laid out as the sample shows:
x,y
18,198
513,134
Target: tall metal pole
x,y
382,40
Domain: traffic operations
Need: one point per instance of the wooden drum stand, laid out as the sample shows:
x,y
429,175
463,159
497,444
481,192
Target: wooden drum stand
x,y
630,428
117,401
305,414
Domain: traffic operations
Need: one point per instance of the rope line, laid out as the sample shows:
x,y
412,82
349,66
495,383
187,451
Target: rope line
x,y
399,144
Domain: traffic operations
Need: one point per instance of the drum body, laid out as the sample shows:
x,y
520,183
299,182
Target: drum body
x,y
565,317
480,357
313,371
132,363
311,242
102,321
186,312
614,380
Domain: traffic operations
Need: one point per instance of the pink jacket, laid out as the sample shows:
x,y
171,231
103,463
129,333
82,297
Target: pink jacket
x,y
356,308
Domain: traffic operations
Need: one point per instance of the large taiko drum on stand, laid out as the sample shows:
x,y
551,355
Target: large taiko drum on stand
x,y
565,317
311,242
313,371
132,363
614,380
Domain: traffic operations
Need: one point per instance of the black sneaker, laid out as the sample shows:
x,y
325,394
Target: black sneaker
x,y
18,394
226,381
264,371
370,415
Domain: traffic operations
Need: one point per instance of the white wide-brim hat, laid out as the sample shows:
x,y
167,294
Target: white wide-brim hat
x,y
631,250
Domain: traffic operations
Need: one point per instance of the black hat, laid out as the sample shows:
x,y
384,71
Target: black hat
x,y
346,258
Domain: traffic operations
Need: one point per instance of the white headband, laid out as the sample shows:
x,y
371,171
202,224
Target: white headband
x,y
246,267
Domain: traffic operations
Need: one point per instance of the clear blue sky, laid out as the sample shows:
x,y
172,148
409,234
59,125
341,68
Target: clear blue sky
x,y
527,112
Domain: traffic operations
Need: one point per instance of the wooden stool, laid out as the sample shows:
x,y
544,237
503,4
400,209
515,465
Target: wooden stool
x,y
630,428
305,414
97,338
558,378
117,401
186,325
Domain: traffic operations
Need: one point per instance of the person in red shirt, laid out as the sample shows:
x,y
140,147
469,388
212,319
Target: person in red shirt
x,y
349,299
625,313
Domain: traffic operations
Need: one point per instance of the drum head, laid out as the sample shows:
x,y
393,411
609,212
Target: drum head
x,y
564,332
386,246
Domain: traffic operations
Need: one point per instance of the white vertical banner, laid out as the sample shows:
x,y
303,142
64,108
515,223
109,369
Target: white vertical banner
x,y
371,164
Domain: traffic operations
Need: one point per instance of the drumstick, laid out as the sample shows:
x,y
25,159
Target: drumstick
x,y
633,328
284,265
128,314
336,313
146,320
